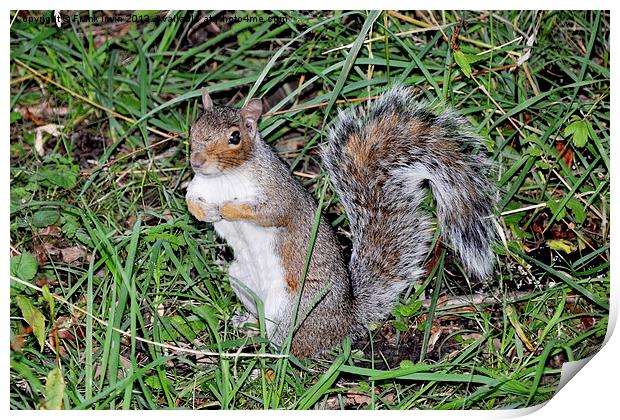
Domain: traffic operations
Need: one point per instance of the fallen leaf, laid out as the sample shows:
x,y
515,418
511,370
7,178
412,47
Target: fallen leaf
x,y
51,249
512,317
360,399
270,375
130,221
52,129
567,154
44,111
54,390
561,245
72,254
42,282
528,51
33,317
435,334
17,342
30,116
587,322
389,397
388,332
331,403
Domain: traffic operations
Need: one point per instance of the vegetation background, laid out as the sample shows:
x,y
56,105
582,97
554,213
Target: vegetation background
x,y
119,299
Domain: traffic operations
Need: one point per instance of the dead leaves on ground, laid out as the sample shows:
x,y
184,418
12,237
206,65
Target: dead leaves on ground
x,y
356,399
52,129
41,115
72,255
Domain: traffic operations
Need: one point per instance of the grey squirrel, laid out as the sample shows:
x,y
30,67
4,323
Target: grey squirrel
x,y
380,161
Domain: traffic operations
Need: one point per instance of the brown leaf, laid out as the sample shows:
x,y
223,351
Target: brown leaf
x,y
331,403
567,155
17,342
52,129
587,322
30,116
42,282
436,331
270,375
389,397
130,221
72,254
43,111
388,332
360,399
434,258
51,249
40,253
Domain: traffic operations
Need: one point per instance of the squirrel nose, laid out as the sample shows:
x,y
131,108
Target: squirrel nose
x,y
196,159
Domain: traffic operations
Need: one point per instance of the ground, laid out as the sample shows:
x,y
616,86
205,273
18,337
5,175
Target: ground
x,y
119,298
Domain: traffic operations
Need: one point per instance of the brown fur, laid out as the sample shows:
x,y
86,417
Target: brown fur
x,y
196,210
209,137
292,264
242,211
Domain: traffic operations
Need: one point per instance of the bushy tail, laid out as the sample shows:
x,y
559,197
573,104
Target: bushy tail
x,y
380,161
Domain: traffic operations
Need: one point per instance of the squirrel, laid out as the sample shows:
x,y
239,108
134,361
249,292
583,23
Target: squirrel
x,y
381,161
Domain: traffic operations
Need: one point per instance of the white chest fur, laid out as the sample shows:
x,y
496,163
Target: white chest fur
x,y
257,266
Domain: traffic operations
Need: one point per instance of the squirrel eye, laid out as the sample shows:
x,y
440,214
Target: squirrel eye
x,y
234,138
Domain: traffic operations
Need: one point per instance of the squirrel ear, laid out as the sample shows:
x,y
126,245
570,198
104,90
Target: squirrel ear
x,y
207,103
250,114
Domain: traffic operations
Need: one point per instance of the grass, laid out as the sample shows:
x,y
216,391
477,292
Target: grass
x,y
124,300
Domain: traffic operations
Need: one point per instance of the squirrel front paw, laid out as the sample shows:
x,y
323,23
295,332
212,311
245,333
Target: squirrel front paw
x,y
203,211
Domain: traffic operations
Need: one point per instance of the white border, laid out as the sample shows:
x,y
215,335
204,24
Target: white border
x,y
592,393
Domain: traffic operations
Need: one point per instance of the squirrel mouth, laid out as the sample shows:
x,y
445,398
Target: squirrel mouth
x,y
207,169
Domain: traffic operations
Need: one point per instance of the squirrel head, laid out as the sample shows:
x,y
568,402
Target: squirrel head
x,y
223,138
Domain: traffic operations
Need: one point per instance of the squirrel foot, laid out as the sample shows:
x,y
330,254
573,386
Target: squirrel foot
x,y
241,319
203,211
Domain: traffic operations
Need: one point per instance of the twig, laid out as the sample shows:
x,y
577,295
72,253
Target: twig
x,y
453,302
445,36
500,46
535,206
